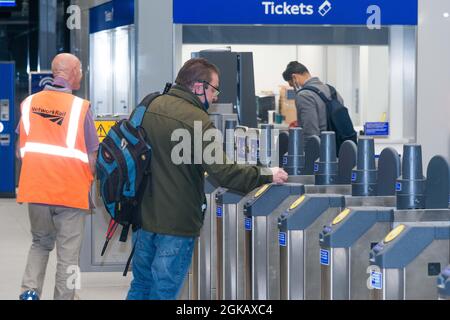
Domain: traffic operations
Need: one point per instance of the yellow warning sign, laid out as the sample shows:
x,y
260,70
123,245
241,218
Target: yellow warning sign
x,y
103,127
341,216
297,203
394,233
262,190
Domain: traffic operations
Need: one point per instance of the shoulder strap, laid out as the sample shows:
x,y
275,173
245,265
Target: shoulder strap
x,y
316,91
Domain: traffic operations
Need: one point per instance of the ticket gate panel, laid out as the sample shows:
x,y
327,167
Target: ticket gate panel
x,y
330,189
231,254
312,257
335,271
259,259
265,259
232,282
357,229
392,285
292,260
306,180
359,264
205,256
435,256
409,260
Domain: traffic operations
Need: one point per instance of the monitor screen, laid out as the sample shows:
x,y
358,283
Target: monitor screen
x,y
264,105
8,3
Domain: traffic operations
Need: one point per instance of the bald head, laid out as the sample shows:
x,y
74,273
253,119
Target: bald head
x,y
68,67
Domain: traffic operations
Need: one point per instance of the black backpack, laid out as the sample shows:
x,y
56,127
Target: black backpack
x,y
338,119
123,171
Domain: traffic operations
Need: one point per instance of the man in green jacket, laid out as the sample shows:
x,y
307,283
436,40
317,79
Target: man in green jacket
x,y
173,203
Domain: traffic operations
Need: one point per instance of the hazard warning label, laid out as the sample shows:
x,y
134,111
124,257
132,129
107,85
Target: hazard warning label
x,y
103,127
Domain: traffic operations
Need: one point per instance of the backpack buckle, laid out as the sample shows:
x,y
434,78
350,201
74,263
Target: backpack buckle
x,y
123,144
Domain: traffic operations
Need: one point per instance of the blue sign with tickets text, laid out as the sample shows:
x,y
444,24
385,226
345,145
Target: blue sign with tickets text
x,y
299,12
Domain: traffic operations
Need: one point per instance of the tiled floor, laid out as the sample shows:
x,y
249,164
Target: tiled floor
x,y
15,241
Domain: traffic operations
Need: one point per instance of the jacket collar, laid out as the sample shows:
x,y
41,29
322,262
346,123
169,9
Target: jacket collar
x,y
184,93
313,80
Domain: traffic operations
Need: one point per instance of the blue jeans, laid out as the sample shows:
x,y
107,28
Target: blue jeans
x,y
160,265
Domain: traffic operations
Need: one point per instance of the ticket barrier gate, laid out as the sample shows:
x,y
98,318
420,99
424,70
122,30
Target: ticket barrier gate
x,y
347,242
200,283
230,251
205,258
231,257
300,226
261,214
444,284
233,261
405,265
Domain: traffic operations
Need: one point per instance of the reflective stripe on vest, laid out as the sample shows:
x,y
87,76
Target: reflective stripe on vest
x,y
72,132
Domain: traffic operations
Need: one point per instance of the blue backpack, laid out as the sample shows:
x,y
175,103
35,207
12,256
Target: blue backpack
x,y
123,171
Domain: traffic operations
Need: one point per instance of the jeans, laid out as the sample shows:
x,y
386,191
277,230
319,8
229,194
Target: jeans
x,y
160,265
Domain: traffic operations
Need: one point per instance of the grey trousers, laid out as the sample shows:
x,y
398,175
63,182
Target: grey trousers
x,y
49,226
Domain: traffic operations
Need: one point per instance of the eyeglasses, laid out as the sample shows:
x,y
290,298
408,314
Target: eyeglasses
x,y
216,90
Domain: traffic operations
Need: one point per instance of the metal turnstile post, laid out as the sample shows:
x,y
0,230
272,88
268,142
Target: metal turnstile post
x,y
230,251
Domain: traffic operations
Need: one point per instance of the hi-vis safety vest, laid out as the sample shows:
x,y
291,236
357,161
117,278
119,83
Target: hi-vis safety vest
x,y
55,165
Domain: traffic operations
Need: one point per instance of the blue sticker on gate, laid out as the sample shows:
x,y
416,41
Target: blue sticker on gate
x,y
248,224
398,187
282,239
376,280
316,167
219,212
353,176
324,257
285,161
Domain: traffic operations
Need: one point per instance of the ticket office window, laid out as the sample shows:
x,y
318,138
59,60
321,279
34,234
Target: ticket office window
x,y
373,70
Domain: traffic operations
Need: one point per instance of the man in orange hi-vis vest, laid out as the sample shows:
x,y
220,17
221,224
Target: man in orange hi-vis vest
x,y
58,146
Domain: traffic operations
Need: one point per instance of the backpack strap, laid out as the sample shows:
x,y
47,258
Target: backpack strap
x,y
137,116
127,266
333,92
316,91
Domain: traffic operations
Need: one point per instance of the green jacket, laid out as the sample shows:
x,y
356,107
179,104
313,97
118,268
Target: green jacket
x,y
172,202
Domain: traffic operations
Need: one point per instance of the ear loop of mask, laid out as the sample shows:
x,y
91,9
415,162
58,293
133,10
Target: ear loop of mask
x,y
206,103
